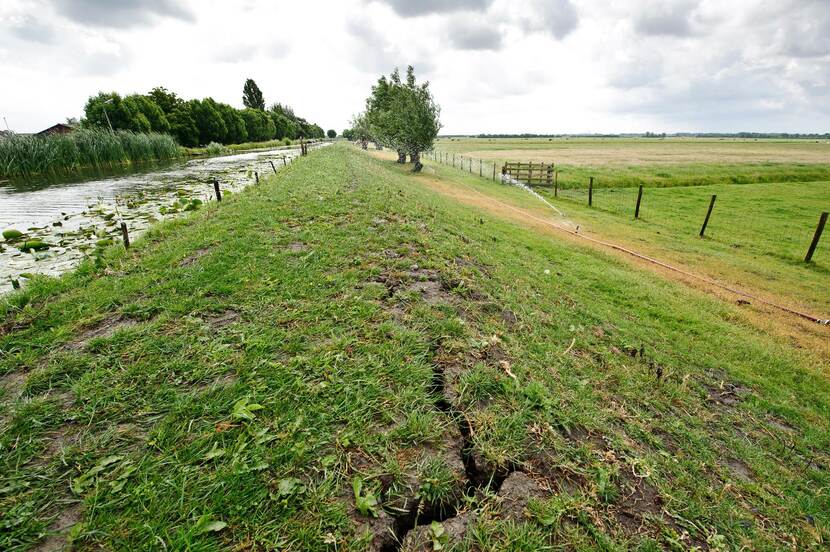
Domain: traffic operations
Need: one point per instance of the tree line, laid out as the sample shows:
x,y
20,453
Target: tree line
x,y
401,115
198,122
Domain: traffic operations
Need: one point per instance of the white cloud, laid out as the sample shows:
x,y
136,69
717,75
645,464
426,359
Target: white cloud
x,y
494,65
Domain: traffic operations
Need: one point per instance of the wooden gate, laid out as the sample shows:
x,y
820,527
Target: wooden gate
x,y
532,174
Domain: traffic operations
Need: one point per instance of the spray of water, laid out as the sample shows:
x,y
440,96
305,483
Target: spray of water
x,y
507,179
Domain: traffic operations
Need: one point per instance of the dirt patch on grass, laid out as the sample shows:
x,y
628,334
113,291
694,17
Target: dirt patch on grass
x,y
105,328
225,380
780,425
638,499
68,517
453,530
195,256
515,493
57,441
739,469
431,292
297,247
13,384
219,320
724,393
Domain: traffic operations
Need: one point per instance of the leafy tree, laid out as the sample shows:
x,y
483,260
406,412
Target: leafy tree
x,y
259,125
105,109
360,129
418,117
197,122
348,134
252,96
183,125
402,116
168,101
208,120
144,108
331,133
237,132
283,126
316,131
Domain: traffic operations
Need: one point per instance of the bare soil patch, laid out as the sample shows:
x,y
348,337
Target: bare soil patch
x,y
13,384
105,328
68,517
195,256
219,320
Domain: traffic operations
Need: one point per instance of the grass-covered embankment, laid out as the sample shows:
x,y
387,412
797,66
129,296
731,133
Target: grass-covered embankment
x,y
82,149
326,360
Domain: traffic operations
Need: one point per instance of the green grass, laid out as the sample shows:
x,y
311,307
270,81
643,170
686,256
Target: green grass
x,y
756,239
22,156
757,233
625,162
271,351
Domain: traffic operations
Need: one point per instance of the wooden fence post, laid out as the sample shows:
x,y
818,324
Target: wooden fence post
x,y
639,198
480,165
708,214
284,162
555,183
124,235
256,176
590,191
494,172
816,237
216,189
272,165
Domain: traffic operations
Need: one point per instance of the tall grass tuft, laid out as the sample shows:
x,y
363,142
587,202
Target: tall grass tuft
x,y
22,155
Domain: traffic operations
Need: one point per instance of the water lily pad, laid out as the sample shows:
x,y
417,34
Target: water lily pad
x,y
12,234
34,245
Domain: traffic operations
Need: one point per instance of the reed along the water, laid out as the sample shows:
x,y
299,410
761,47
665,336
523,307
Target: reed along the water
x,y
27,155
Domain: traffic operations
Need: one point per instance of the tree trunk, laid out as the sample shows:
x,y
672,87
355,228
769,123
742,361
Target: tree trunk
x,y
416,159
401,157
364,144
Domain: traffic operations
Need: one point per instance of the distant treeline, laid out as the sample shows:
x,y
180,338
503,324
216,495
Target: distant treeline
x,y
780,135
198,122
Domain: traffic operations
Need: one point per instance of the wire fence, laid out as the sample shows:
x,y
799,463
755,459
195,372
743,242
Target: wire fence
x,y
688,214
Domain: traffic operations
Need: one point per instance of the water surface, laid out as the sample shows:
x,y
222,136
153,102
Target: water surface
x,y
76,218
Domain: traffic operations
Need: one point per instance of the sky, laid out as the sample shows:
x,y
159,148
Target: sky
x,y
494,66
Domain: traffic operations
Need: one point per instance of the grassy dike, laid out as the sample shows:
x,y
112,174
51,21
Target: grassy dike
x,y
338,355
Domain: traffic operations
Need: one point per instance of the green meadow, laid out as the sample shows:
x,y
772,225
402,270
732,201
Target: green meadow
x,y
341,358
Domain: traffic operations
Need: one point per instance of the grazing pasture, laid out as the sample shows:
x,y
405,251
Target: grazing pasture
x,y
658,162
756,238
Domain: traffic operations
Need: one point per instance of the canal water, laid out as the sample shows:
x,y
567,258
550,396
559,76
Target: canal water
x,y
78,218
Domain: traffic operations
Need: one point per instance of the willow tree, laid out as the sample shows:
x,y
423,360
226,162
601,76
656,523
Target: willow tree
x,y
360,129
382,124
403,116
416,116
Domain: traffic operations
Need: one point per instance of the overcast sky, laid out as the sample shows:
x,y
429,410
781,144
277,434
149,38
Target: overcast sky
x,y
541,66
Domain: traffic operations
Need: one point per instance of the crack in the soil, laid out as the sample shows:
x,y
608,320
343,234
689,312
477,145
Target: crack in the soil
x,y
477,478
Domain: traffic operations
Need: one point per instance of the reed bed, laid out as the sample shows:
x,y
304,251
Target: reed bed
x,y
87,148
